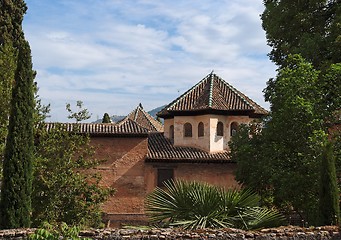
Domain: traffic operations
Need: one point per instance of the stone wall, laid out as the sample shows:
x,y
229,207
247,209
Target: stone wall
x,y
283,233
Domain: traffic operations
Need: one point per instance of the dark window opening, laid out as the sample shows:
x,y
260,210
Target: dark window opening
x,y
164,175
220,129
200,129
234,128
188,130
171,132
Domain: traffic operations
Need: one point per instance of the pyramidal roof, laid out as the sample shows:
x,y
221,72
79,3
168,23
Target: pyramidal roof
x,y
144,119
212,94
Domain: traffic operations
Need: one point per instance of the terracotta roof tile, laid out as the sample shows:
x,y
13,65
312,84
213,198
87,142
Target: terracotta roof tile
x,y
161,149
144,119
212,93
127,127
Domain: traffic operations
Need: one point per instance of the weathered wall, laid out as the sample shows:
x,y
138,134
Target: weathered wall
x,y
122,169
216,174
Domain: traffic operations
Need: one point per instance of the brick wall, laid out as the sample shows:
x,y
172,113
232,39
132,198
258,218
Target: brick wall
x,y
124,169
213,173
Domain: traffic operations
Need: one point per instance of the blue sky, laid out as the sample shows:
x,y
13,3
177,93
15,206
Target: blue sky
x,y
114,54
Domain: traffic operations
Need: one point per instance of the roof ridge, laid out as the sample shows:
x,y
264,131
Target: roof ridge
x,y
187,92
239,94
127,116
212,93
139,107
211,90
148,122
151,119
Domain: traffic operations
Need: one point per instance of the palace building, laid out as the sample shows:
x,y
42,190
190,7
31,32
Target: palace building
x,y
139,153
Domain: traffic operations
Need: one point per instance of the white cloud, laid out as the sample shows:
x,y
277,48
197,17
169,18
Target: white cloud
x,y
115,54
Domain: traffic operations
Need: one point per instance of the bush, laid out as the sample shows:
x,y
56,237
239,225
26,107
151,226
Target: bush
x,y
194,205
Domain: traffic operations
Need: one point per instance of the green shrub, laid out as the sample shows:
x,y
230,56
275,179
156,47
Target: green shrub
x,y
48,232
194,205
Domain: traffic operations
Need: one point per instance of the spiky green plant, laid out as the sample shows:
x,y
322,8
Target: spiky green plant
x,y
194,205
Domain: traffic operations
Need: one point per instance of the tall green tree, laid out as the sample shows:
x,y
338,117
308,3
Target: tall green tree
x,y
313,30
11,34
310,28
329,209
286,153
296,135
11,16
17,166
7,68
106,118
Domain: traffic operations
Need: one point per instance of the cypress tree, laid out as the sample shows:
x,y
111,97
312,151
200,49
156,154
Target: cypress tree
x,y
329,211
11,16
11,34
17,166
106,118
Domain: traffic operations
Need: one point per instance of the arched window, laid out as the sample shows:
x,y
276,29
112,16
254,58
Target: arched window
x,y
234,128
188,130
200,129
220,129
171,132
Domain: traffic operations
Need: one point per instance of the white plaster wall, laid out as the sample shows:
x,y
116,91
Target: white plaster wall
x,y
210,142
194,141
167,123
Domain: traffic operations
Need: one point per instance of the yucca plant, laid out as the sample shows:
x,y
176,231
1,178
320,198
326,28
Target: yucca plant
x,y
194,205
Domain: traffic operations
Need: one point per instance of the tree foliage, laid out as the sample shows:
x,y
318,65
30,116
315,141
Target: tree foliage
x,y
63,189
254,163
285,155
329,85
194,205
11,35
82,114
7,69
11,17
310,28
106,118
295,135
305,99
18,160
329,209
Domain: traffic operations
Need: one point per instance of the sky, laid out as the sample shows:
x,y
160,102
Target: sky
x,y
115,54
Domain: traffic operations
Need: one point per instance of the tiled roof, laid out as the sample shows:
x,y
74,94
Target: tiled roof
x,y
144,119
127,127
212,93
161,149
